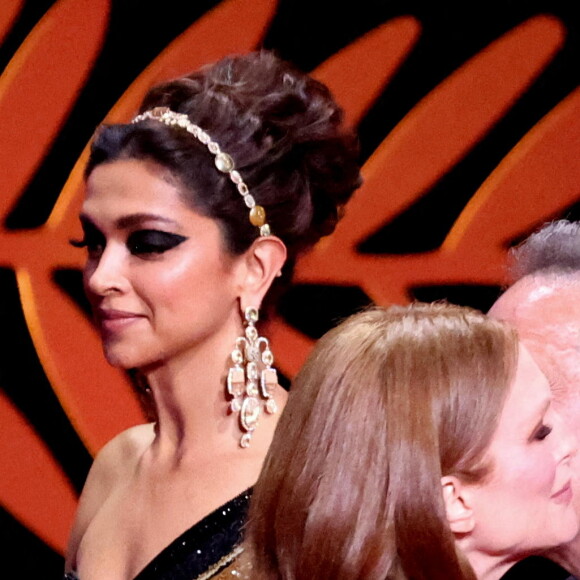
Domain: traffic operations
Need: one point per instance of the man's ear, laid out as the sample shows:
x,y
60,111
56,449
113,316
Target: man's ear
x,y
263,262
457,505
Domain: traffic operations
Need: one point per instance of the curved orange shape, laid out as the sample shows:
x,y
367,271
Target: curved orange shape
x,y
538,179
206,40
534,183
97,398
233,26
356,86
45,83
439,132
447,124
434,136
10,11
427,143
42,82
354,83
33,487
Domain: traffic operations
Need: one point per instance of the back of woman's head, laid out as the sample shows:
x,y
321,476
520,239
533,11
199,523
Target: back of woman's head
x,y
389,402
281,127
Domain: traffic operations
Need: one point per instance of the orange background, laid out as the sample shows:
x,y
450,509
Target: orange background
x,y
470,129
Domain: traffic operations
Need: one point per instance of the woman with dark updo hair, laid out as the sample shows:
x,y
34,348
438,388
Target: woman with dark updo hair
x,y
195,212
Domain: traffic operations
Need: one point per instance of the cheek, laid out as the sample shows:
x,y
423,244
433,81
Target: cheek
x,y
533,470
521,473
575,465
182,283
165,290
192,267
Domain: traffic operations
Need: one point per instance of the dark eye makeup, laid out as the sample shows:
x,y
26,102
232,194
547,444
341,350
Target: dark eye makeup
x,y
139,243
152,242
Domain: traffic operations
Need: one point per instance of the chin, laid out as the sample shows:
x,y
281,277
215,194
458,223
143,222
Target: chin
x,y
564,530
570,526
122,358
119,362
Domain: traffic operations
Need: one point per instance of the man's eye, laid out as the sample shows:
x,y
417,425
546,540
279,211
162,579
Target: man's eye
x,y
542,432
152,242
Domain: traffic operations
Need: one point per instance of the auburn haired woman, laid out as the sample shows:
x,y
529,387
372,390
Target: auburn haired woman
x,y
417,443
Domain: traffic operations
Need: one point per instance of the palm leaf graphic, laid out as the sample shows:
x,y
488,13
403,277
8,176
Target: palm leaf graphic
x,y
534,179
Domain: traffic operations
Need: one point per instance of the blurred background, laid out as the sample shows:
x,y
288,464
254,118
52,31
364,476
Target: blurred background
x,y
469,121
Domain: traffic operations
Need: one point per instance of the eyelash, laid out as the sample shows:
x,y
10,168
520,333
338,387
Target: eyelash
x,y
94,242
139,243
542,432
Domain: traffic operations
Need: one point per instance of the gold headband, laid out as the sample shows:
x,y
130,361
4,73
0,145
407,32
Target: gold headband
x,y
223,161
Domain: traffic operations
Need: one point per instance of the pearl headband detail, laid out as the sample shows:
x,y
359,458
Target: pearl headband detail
x,y
223,162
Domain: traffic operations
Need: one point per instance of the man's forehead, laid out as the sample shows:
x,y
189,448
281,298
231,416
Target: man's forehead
x,y
540,297
545,311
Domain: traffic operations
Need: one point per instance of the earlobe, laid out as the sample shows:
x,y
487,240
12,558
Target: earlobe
x,y
457,505
264,260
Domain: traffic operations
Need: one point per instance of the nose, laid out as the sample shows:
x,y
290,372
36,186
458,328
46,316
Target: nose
x,y
105,274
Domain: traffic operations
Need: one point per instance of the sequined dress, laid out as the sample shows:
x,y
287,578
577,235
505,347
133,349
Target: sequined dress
x,y
203,551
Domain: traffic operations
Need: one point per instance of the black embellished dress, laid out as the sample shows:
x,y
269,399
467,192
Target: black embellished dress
x,y
204,550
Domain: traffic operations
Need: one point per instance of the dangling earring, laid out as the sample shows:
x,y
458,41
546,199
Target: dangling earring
x,y
246,382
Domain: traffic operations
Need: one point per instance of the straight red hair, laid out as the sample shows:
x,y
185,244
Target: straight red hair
x,y
385,406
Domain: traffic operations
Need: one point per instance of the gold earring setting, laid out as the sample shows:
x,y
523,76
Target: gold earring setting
x,y
252,379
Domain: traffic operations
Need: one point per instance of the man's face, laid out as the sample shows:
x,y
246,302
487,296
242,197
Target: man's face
x,y
546,313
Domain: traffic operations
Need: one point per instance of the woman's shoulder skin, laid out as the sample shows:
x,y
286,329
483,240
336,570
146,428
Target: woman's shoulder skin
x,y
112,464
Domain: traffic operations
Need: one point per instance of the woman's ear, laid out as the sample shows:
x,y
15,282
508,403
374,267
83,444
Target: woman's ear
x,y
263,262
457,505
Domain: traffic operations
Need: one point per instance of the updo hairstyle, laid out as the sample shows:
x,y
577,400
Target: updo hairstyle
x,y
283,130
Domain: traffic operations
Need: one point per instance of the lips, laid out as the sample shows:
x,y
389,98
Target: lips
x,y
564,494
111,320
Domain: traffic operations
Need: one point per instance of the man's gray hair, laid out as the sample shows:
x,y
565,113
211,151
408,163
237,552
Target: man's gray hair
x,y
553,249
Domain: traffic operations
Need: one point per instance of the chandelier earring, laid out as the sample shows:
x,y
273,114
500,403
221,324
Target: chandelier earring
x,y
251,378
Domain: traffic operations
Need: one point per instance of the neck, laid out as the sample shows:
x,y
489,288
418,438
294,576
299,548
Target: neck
x,y
190,400
485,565
567,556
192,408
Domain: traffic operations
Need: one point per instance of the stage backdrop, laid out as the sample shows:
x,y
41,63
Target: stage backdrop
x,y
469,118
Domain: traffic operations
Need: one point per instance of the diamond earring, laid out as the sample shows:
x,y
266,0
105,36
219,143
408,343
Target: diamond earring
x,y
252,379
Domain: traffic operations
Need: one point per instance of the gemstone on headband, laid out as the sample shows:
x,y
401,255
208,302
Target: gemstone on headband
x,y
223,162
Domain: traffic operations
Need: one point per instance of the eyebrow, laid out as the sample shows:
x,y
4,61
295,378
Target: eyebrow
x,y
132,220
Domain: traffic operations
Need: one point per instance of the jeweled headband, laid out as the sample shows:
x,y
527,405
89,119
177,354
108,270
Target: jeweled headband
x,y
223,161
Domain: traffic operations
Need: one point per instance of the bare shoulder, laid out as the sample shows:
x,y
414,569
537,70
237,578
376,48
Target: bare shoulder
x,y
112,465
119,456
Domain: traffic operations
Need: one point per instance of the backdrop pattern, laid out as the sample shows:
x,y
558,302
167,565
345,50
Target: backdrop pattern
x,y
469,117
